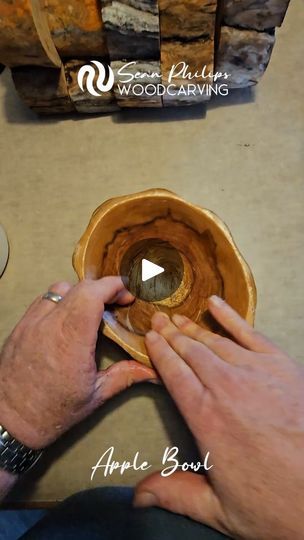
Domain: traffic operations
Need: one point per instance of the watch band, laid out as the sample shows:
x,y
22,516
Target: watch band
x,y
15,457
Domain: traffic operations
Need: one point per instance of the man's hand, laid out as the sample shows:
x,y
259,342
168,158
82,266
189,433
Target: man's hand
x,y
244,402
48,375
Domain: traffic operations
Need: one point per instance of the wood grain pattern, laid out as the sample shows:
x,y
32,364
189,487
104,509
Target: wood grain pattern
x,y
198,252
84,102
187,20
254,14
25,38
212,262
77,28
142,94
244,55
43,89
187,30
132,29
196,55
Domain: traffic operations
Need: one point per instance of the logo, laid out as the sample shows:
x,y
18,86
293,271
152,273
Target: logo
x,y
145,80
90,72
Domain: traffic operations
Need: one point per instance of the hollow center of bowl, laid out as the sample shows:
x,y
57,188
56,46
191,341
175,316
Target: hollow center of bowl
x,y
152,269
201,276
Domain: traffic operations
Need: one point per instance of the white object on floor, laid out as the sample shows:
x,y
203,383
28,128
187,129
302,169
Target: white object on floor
x,y
4,250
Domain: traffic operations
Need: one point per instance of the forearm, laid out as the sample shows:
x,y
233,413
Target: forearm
x,y
7,482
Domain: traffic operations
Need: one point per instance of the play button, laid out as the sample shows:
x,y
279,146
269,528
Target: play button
x,y
150,270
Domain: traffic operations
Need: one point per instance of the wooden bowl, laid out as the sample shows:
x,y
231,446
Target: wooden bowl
x,y
211,261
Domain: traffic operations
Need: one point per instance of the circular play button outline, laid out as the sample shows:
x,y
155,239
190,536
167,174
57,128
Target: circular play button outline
x,y
152,269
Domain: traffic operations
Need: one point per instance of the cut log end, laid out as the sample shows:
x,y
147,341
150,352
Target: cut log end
x,y
83,101
258,15
244,55
43,90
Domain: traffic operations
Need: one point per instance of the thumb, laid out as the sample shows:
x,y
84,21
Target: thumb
x,y
120,376
184,493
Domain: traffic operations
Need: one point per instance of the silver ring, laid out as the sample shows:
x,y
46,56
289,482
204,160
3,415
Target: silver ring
x,y
53,297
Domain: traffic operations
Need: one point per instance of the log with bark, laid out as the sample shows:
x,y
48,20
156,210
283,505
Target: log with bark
x,y
133,34
77,29
187,36
43,90
25,38
244,55
83,101
254,14
132,29
141,91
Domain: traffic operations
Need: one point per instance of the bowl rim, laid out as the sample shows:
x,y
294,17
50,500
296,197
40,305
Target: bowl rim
x,y
107,206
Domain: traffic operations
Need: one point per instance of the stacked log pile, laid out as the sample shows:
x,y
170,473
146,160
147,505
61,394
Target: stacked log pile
x,y
48,43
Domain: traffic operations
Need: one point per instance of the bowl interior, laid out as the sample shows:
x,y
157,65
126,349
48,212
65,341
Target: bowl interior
x,y
211,261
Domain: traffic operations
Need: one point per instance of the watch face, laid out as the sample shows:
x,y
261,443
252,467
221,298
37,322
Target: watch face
x,y
4,250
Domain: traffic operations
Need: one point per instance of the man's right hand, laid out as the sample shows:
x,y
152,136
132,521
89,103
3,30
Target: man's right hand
x,y
244,403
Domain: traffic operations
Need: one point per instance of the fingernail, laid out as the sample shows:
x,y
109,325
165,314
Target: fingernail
x,y
155,381
125,293
160,320
216,300
144,499
151,336
180,320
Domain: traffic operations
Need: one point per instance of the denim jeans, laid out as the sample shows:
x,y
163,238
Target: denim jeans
x,y
108,514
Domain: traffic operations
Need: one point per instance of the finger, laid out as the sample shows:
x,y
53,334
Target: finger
x,y
122,298
102,291
40,307
200,358
238,327
184,493
182,383
120,376
223,347
82,307
61,288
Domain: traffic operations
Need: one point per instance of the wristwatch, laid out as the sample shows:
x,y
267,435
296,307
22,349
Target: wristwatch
x,y
15,457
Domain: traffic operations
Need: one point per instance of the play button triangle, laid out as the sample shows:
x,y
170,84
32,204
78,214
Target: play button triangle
x,y
150,270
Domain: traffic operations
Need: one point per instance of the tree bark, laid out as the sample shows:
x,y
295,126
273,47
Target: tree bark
x,y
244,55
187,35
78,32
132,29
141,91
25,38
254,14
84,102
44,90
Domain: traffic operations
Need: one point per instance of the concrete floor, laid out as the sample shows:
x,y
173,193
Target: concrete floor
x,y
242,158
